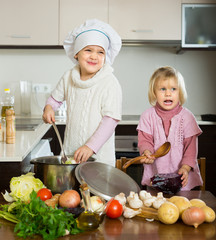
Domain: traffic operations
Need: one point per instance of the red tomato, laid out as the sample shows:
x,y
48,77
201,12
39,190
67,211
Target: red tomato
x,y
44,194
114,209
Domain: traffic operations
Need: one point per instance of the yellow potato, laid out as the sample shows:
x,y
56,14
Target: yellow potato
x,y
209,214
197,203
182,203
168,213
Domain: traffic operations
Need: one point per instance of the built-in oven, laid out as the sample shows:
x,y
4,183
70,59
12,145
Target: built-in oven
x,y
127,146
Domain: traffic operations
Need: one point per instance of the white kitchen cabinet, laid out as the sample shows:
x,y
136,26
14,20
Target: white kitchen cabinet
x,y
73,13
198,1
146,19
29,22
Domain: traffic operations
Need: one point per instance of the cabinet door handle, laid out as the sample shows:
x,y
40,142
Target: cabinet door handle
x,y
143,30
20,36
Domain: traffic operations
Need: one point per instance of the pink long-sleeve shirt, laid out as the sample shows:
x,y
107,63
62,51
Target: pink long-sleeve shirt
x,y
146,140
101,135
177,126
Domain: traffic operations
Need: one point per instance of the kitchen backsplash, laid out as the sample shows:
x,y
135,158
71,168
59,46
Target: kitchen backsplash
x,y
133,68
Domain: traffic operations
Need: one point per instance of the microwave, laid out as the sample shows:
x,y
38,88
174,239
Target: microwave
x,y
198,26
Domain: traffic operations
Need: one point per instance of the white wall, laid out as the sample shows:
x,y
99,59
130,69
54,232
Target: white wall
x,y
133,67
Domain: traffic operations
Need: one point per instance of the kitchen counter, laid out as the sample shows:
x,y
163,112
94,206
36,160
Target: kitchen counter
x,y
25,143
134,120
27,140
137,227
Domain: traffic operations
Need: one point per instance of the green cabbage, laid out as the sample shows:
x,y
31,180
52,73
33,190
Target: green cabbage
x,y
21,187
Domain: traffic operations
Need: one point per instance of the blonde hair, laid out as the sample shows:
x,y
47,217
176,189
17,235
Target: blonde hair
x,y
166,73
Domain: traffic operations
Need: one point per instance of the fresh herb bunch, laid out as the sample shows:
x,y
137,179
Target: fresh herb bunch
x,y
36,217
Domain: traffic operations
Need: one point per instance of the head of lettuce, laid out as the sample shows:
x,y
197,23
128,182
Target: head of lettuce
x,y
21,187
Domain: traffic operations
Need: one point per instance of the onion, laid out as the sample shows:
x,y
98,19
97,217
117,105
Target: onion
x,y
69,199
193,216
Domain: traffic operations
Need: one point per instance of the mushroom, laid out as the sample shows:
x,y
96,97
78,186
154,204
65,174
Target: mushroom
x,y
135,202
144,195
131,195
149,201
129,213
121,198
159,200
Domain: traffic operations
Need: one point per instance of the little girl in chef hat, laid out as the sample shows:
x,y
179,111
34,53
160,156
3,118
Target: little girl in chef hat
x,y
168,121
92,93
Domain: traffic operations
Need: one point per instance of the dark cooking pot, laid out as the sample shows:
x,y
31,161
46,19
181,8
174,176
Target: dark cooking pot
x,y
56,176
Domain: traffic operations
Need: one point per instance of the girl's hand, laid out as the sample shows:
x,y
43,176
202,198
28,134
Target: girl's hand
x,y
49,114
184,170
149,159
82,154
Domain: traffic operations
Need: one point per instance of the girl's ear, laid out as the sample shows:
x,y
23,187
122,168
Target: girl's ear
x,y
76,57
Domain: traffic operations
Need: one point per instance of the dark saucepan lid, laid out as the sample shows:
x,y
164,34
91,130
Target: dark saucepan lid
x,y
104,180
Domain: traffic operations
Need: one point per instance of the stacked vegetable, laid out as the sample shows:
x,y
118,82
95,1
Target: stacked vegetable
x,y
192,212
36,217
35,210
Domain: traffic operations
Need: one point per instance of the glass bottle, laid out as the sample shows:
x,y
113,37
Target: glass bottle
x,y
1,131
87,220
7,102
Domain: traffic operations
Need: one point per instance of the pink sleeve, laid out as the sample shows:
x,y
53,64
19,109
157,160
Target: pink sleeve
x,y
103,133
145,142
190,151
54,104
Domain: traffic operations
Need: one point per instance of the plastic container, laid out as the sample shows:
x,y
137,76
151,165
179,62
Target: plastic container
x,y
7,102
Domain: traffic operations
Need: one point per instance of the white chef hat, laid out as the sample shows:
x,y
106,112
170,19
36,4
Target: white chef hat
x,y
93,32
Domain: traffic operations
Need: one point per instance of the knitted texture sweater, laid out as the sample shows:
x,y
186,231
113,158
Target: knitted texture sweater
x,y
183,125
87,103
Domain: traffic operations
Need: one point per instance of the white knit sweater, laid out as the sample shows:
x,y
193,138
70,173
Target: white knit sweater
x,y
87,103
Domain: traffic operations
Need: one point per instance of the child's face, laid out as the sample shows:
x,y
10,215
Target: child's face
x,y
91,60
167,93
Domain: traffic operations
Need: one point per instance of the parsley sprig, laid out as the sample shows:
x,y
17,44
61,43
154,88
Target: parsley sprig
x,y
36,217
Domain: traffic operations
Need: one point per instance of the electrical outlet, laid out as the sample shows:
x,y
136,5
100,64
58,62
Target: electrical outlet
x,y
41,88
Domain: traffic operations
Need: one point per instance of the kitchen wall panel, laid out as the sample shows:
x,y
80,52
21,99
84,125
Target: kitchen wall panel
x,y
133,67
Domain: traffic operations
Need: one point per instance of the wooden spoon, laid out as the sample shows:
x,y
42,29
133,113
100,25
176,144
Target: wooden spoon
x,y
160,152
